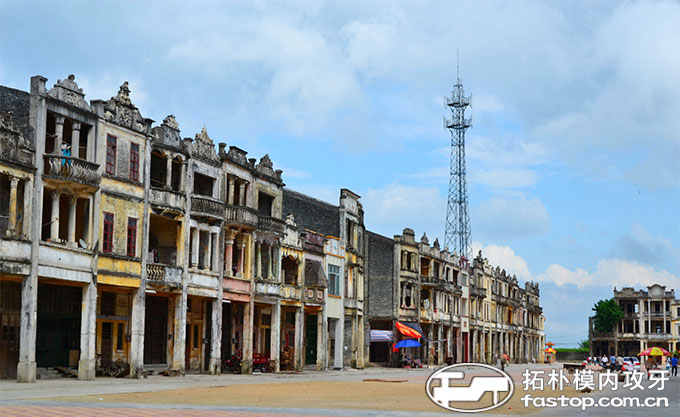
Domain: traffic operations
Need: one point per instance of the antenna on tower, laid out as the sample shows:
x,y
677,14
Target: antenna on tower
x,y
457,235
457,67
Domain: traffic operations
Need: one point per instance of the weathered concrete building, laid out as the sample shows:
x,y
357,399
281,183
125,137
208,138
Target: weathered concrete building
x,y
122,242
506,318
411,281
343,227
650,318
479,313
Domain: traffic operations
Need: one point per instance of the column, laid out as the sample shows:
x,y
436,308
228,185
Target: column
x,y
474,346
269,262
242,194
440,358
215,364
28,202
88,332
195,236
137,334
430,346
649,316
214,248
299,332
230,192
208,253
168,172
241,258
179,341
247,360
59,134
11,229
54,224
72,200
228,254
26,369
322,340
183,176
275,347
258,259
75,139
339,342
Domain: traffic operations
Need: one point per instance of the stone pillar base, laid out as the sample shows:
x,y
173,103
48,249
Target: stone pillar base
x,y
26,372
246,366
86,369
137,372
215,366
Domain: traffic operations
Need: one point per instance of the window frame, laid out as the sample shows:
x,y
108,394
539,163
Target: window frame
x,y
134,161
111,154
107,238
334,285
131,242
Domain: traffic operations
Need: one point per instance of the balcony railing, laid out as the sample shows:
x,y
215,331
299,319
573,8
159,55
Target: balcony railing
x,y
207,205
244,216
656,314
271,224
70,168
658,336
164,273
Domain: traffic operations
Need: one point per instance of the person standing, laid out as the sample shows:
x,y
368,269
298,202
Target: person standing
x,y
604,361
674,365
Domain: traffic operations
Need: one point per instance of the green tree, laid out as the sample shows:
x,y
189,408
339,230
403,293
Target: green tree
x,y
607,314
584,344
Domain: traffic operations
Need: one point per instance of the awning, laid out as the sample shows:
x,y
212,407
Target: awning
x,y
410,329
314,274
382,336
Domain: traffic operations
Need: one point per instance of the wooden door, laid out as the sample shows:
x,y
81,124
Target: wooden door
x,y
10,326
107,344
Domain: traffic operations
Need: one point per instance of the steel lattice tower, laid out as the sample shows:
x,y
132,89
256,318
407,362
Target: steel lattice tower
x,y
457,235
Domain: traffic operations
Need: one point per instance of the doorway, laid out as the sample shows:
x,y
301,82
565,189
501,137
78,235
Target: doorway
x,y
155,330
310,339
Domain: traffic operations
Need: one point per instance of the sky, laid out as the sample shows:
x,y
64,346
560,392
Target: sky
x,y
573,159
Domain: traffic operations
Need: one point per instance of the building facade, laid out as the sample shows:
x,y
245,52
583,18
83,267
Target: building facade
x,y
122,242
650,318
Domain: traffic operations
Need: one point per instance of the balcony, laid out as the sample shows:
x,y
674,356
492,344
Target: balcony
x,y
164,274
16,258
240,216
208,206
72,169
479,292
656,314
271,224
292,292
164,197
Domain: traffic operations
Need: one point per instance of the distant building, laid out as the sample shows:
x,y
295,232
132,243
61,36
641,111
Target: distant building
x,y
650,318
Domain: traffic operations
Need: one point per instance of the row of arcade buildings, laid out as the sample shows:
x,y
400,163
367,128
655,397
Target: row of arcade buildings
x,y
122,242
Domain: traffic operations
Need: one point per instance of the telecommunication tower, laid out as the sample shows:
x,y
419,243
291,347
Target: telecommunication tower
x,y
457,235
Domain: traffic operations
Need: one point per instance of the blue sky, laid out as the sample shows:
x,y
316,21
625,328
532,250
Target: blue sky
x,y
573,159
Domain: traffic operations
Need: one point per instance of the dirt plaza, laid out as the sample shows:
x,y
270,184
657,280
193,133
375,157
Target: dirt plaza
x,y
372,391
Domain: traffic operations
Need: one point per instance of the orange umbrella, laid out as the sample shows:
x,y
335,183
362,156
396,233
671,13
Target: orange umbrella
x,y
654,351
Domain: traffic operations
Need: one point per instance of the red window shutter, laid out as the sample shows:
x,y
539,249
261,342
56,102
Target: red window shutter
x,y
134,162
110,154
107,245
132,237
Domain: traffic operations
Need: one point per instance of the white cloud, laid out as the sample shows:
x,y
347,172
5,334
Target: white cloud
x,y
610,273
420,208
103,86
505,258
504,178
502,218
